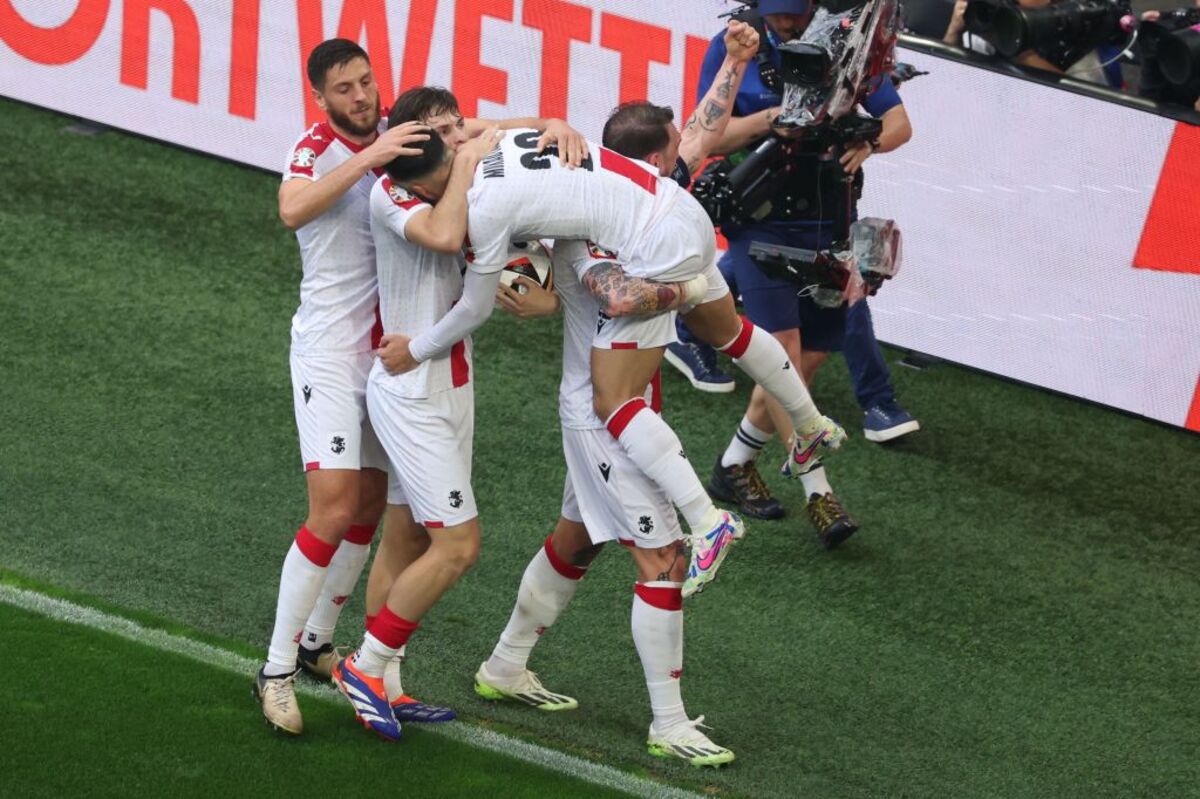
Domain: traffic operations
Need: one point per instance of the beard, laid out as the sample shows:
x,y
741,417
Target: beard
x,y
346,123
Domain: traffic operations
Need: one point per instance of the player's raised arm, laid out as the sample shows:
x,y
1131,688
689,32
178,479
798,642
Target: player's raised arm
x,y
705,128
306,195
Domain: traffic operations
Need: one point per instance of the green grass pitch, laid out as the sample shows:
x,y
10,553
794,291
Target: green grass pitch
x,y
1017,617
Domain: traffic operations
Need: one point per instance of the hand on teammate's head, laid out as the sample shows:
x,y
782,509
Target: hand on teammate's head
x,y
396,142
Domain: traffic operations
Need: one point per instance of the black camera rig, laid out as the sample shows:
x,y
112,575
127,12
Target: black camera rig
x,y
824,75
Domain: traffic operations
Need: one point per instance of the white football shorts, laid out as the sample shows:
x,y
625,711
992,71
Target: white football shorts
x,y
329,394
610,495
429,443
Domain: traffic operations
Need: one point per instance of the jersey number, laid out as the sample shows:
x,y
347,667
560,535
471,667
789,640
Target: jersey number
x,y
609,160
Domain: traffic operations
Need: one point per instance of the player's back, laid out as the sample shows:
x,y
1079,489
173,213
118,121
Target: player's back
x,y
417,287
519,194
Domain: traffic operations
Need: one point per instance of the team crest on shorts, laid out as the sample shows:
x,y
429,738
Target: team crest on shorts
x,y
337,445
304,157
645,525
456,499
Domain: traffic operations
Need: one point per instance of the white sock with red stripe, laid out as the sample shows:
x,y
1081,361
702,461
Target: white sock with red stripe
x,y
391,674
655,449
300,583
386,636
343,574
658,635
763,358
546,589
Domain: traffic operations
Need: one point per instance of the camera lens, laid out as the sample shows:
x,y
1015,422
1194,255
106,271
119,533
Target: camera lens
x,y
1178,55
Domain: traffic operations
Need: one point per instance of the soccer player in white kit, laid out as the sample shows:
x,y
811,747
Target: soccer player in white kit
x,y
425,418
656,230
606,498
323,198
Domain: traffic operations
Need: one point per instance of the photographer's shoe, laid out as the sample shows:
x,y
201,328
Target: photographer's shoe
x,y
888,421
743,485
698,363
833,524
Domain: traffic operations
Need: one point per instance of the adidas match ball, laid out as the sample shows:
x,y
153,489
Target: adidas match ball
x,y
529,259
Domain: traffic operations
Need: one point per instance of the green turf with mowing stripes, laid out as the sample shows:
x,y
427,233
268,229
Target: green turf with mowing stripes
x,y
1016,618
97,715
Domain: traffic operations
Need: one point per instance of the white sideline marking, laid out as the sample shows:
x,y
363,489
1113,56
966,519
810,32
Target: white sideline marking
x,y
594,773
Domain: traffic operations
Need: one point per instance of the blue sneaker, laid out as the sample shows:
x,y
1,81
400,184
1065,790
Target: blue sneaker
x,y
698,363
369,699
887,421
405,708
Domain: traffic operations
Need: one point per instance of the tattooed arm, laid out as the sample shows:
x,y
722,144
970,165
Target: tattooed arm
x,y
623,295
705,127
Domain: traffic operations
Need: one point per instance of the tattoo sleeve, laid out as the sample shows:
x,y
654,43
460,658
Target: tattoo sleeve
x,y
622,295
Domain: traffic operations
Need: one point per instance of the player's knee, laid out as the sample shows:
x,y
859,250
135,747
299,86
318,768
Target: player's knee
x,y
461,555
330,523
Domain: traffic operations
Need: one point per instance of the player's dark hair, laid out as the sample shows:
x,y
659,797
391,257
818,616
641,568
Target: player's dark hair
x,y
637,129
329,54
407,168
421,104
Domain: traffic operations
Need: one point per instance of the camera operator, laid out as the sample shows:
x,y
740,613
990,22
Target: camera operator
x,y
775,305
1153,83
1101,65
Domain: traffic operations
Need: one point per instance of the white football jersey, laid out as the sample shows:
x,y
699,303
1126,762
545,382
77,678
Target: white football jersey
x,y
518,195
417,287
338,299
581,314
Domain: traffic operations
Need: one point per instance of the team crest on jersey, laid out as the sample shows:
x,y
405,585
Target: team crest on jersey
x,y
398,194
596,251
304,157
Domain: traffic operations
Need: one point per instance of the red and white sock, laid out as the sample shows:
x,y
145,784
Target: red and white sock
x,y
386,636
300,583
546,589
658,635
343,574
763,358
655,449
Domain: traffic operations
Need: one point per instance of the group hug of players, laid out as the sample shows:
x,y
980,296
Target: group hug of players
x,y
404,230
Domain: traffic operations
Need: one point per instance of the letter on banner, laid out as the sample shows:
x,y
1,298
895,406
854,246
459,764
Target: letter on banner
x,y
53,46
135,46
560,23
471,81
638,43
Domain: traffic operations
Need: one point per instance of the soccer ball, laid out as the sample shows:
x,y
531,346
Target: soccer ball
x,y
530,259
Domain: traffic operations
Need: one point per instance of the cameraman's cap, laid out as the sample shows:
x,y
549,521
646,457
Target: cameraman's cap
x,y
783,6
